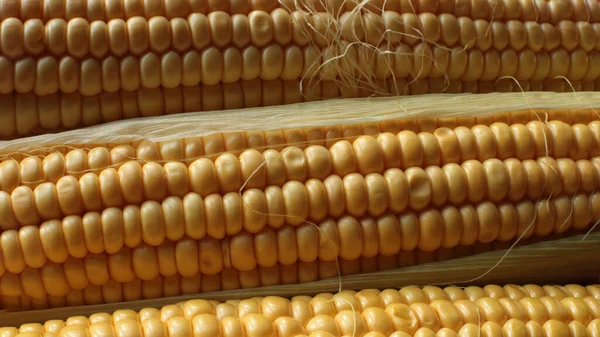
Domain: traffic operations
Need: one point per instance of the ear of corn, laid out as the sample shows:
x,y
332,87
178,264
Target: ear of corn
x,y
71,64
565,311
376,198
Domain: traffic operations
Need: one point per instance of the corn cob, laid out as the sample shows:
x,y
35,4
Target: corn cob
x,y
410,311
137,199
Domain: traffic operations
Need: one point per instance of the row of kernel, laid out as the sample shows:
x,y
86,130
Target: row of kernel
x,y
542,11
80,38
466,32
53,281
79,275
91,77
148,245
160,189
366,154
